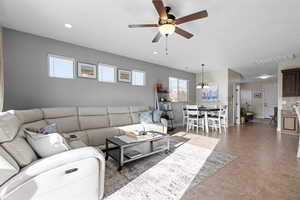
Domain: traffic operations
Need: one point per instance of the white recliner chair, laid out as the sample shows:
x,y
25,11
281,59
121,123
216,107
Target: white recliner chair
x,y
76,174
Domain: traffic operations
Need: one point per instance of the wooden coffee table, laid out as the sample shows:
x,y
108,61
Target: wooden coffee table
x,y
146,147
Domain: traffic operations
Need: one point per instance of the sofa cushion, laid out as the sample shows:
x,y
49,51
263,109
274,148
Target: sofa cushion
x,y
146,117
8,167
135,112
46,145
119,119
20,150
65,124
9,125
93,117
98,136
50,113
156,115
37,125
92,111
118,110
27,116
65,118
93,122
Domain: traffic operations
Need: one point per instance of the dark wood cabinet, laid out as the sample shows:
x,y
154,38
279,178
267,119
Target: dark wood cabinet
x,y
291,82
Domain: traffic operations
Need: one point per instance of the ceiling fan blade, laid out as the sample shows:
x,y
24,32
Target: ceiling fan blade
x,y
183,33
142,25
192,17
160,8
157,37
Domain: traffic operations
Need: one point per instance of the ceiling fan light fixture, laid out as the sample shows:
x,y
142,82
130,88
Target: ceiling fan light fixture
x,y
167,29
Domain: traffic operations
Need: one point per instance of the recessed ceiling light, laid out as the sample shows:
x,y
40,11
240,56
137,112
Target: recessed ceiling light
x,y
155,52
265,76
68,25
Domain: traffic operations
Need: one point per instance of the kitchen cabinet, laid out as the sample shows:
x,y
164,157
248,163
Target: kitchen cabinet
x,y
291,82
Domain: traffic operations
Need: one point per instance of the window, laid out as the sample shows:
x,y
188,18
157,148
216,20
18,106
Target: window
x,y
106,73
138,78
61,67
178,90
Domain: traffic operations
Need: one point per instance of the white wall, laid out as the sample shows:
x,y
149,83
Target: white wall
x,y
226,81
1,71
27,84
285,103
268,101
221,79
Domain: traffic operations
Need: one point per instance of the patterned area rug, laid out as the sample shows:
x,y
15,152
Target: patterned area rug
x,y
165,176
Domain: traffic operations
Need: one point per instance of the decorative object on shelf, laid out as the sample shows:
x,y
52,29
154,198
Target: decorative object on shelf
x,y
202,84
124,76
210,93
162,103
86,70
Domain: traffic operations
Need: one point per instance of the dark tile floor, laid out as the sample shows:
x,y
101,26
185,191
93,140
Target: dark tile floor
x,y
266,167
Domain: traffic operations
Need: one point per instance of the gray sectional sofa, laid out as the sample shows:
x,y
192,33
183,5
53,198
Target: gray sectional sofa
x,y
25,176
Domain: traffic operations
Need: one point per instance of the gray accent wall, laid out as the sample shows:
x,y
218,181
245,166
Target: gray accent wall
x,y
27,84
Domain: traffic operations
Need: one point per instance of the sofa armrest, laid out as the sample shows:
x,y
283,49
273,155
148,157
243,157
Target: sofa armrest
x,y
47,164
164,122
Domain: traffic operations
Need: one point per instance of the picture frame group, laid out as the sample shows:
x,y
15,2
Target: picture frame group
x,y
88,70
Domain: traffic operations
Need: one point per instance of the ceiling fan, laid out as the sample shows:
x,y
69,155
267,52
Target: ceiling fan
x,y
167,22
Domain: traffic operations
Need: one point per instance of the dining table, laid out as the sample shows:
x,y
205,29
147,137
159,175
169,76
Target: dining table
x,y
206,110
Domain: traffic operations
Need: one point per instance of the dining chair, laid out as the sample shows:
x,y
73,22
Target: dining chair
x,y
218,121
184,115
297,109
194,118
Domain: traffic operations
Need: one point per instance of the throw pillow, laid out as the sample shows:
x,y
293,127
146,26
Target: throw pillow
x,y
46,144
146,117
156,116
52,128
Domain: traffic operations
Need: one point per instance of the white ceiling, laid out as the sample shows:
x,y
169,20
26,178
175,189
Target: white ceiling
x,y
237,34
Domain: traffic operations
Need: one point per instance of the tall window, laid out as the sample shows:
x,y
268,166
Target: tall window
x,y
138,78
178,90
61,67
106,73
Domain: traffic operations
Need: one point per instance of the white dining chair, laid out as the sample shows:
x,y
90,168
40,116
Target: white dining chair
x,y
218,121
195,119
184,115
297,109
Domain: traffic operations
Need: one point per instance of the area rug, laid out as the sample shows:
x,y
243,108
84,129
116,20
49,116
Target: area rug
x,y
166,176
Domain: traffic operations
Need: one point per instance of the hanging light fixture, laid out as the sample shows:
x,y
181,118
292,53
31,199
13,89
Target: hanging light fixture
x,y
202,84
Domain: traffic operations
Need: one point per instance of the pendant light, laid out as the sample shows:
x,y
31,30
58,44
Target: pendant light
x,y
202,84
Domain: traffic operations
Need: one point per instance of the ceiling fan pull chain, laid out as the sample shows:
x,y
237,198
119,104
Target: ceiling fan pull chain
x,y
167,53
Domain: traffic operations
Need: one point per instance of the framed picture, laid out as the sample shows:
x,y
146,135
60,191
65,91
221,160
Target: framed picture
x,y
257,95
124,76
86,70
210,93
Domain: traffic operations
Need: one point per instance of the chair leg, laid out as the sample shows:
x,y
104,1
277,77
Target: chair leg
x,y
187,126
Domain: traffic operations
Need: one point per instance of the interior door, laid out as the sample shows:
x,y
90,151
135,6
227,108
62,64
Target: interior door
x,y
270,99
258,103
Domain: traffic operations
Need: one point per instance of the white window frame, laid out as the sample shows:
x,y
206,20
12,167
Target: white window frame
x,y
144,78
187,89
61,57
108,65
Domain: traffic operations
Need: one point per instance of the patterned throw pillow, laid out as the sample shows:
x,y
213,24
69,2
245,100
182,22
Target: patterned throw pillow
x,y
156,116
146,117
